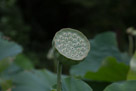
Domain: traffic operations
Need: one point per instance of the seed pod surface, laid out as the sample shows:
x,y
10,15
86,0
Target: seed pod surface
x,y
71,44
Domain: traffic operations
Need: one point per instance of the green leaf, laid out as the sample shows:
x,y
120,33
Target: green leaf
x,y
4,64
122,86
7,70
34,81
5,84
102,46
43,80
8,48
132,71
24,62
110,70
71,84
12,70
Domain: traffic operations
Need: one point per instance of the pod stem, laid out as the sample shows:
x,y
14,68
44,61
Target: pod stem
x,y
59,72
134,43
130,45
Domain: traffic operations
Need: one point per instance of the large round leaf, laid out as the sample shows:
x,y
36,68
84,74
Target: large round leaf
x,y
43,80
23,62
122,86
71,84
4,64
110,70
8,48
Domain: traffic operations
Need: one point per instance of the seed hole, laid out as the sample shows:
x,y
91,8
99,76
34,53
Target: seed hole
x,y
65,34
77,55
83,44
75,40
74,35
69,33
78,43
74,45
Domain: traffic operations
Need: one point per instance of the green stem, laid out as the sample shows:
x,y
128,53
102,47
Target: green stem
x,y
59,71
130,45
135,44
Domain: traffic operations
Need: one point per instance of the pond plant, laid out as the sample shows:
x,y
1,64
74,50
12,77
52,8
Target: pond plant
x,y
70,47
104,68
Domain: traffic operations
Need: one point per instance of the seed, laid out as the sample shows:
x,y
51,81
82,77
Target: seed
x,y
78,38
74,44
83,49
60,36
62,41
74,40
65,34
69,33
83,44
66,38
59,46
72,55
69,42
78,43
80,53
74,35
77,55
71,48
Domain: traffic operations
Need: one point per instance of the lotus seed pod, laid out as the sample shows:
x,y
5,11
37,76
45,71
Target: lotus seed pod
x,y
134,32
50,54
130,30
71,46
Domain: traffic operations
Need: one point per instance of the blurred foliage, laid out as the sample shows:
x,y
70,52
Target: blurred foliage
x,y
8,48
43,80
132,71
110,67
11,21
122,86
17,72
33,23
24,62
102,46
4,64
34,27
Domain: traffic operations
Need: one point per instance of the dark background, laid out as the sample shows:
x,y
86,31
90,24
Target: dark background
x,y
33,23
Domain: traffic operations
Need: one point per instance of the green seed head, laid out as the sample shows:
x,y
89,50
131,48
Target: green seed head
x,y
72,44
130,30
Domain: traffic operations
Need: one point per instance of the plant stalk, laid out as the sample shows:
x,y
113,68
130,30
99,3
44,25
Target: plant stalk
x,y
130,45
134,43
59,72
